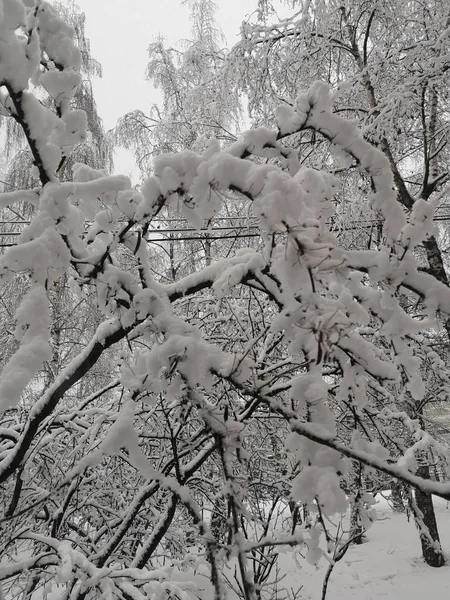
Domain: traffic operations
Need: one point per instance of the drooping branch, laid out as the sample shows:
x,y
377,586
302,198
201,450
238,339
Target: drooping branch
x,y
323,438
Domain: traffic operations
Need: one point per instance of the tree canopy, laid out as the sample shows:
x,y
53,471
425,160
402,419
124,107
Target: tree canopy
x,y
203,412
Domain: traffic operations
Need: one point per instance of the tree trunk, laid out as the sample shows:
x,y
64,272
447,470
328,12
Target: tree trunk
x,y
425,518
396,496
295,514
356,502
207,251
356,529
173,269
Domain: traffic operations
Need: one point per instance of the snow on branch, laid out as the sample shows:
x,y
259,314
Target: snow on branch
x,y
297,333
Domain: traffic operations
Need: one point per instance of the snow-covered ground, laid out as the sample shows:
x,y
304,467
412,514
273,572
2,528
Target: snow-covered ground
x,y
388,565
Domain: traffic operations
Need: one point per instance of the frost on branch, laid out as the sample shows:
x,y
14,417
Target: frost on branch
x,y
231,385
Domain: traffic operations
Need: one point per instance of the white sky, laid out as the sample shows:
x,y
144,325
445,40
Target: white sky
x,y
120,32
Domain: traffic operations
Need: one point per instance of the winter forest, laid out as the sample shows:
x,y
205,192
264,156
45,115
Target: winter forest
x,y
228,379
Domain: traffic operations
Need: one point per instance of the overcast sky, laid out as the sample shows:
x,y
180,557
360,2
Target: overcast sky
x,y
120,32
